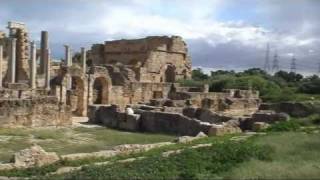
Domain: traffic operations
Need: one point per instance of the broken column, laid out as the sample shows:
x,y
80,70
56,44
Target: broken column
x,y
33,68
47,63
84,60
43,54
1,61
12,63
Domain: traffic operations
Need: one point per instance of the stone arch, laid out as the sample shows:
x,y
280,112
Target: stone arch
x,y
170,74
75,95
100,85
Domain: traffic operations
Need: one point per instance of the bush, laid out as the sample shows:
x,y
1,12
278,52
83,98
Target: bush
x,y
284,126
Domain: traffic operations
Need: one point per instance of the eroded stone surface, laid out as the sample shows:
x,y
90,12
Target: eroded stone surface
x,y
35,156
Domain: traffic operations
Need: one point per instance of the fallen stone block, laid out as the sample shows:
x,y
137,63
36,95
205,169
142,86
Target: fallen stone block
x,y
187,139
258,126
5,167
220,130
35,156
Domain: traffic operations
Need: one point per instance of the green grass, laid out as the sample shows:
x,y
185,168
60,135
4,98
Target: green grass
x,y
296,156
201,163
68,140
277,155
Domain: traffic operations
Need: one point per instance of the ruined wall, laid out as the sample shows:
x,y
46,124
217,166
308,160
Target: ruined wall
x,y
144,92
148,57
33,113
149,121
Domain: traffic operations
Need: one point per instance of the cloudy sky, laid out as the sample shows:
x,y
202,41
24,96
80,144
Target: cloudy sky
x,y
221,34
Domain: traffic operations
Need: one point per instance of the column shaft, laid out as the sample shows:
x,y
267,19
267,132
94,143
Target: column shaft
x,y
33,68
43,48
84,60
68,61
48,66
12,64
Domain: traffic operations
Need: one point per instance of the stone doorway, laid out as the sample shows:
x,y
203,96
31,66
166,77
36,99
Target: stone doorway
x,y
77,96
170,74
100,91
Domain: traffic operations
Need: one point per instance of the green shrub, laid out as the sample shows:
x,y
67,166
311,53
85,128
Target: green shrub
x,y
36,171
284,126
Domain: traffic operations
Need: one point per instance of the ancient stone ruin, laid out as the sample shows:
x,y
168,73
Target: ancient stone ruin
x,y
124,84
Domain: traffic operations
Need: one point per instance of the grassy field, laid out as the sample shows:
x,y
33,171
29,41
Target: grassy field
x,y
70,140
296,156
285,151
283,155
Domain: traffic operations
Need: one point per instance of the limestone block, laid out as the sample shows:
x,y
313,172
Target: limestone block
x,y
258,126
269,117
187,139
34,157
220,130
5,167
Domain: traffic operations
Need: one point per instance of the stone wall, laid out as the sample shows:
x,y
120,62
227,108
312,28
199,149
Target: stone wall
x,y
38,112
149,121
153,59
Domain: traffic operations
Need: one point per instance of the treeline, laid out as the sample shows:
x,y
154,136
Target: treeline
x,y
282,86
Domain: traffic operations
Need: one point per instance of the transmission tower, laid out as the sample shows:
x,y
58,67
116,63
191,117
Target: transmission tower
x,y
267,60
293,67
275,64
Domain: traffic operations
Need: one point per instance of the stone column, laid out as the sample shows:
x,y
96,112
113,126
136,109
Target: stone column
x,y
68,61
84,60
43,49
1,61
48,69
12,63
68,57
33,68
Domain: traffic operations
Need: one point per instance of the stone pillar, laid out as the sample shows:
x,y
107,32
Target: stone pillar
x,y
84,60
68,61
68,58
48,69
44,47
12,63
33,68
1,61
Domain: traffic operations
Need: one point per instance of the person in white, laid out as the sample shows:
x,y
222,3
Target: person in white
x,y
129,110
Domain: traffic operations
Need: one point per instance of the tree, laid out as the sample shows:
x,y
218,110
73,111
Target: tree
x,y
198,75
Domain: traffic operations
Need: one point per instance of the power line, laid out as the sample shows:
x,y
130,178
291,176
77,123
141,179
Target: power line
x,y
267,60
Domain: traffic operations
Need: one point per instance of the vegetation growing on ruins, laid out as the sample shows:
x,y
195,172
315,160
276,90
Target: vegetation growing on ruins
x,y
282,86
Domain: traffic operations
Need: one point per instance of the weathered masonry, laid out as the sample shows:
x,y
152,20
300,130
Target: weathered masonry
x,y
140,73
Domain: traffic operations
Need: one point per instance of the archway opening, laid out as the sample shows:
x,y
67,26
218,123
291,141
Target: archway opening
x,y
100,91
170,74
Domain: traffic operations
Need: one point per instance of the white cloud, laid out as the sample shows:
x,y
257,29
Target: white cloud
x,y
97,20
